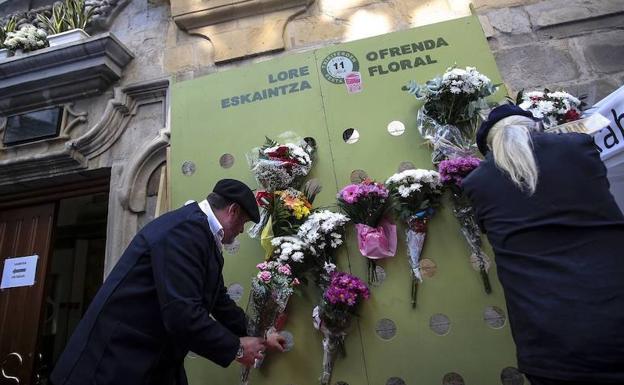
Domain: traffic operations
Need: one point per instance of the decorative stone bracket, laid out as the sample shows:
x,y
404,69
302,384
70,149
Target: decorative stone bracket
x,y
64,154
56,75
238,28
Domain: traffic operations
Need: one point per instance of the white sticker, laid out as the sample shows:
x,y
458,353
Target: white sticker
x,y
339,66
19,272
353,81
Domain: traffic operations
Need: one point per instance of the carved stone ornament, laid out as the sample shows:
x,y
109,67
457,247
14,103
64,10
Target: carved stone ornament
x,y
67,153
238,28
57,75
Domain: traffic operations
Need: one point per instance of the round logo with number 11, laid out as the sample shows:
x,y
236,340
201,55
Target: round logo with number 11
x,y
337,64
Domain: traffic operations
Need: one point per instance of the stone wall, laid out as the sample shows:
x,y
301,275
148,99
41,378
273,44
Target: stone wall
x,y
576,45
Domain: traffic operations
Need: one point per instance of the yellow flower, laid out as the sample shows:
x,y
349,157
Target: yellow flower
x,y
301,211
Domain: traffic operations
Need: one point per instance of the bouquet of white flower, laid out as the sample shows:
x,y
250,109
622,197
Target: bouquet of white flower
x,y
27,38
416,194
279,166
289,249
553,108
323,232
451,114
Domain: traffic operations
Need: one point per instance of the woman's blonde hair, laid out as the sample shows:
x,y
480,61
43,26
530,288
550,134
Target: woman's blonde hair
x,y
512,149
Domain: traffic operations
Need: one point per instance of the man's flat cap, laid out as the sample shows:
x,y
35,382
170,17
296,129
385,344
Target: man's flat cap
x,y
238,192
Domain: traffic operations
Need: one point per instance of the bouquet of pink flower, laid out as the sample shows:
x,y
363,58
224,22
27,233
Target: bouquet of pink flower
x,y
333,316
271,289
452,174
366,204
416,194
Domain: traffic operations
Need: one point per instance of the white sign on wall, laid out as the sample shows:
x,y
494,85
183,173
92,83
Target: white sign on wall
x,y
19,272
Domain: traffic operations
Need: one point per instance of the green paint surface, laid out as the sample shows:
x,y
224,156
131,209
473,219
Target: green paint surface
x,y
206,124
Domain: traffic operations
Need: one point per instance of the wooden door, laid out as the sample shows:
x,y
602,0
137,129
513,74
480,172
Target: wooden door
x,y
23,232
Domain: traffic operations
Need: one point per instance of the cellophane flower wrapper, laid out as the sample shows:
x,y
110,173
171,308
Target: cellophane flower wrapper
x,y
446,140
453,104
469,228
270,292
415,237
283,163
416,193
334,315
377,242
255,230
452,173
266,239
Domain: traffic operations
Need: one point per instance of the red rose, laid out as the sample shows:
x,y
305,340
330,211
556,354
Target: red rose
x,y
571,116
263,198
280,152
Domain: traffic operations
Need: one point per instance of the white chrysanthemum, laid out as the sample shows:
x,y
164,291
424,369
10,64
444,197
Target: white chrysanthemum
x,y
318,226
467,81
546,106
564,96
533,94
289,249
409,177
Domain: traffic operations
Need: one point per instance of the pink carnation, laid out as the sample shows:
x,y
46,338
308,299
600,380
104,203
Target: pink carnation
x,y
350,193
264,276
284,269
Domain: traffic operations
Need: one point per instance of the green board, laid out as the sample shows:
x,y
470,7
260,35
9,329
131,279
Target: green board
x,y
231,112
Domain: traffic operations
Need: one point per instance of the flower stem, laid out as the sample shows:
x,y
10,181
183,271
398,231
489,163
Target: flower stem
x,y
372,271
486,281
414,291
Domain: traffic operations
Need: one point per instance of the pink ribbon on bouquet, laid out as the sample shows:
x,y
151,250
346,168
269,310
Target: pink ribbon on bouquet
x,y
377,242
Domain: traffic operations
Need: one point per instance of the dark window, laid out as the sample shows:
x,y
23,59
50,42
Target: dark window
x,y
32,126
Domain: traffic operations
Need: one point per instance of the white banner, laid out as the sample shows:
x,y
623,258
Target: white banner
x,y
610,140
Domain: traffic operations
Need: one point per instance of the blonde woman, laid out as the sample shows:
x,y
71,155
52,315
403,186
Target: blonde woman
x,y
544,202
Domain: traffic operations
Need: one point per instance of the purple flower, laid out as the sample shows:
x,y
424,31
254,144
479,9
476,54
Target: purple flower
x,y
453,171
346,289
354,192
349,194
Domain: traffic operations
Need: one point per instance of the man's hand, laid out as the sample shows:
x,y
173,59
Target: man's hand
x,y
253,348
275,341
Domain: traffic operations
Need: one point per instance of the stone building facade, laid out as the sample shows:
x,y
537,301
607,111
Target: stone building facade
x,y
117,118
573,45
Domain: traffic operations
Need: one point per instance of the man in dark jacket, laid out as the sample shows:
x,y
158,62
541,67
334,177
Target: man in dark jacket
x,y
557,244
166,297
